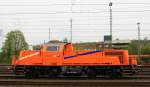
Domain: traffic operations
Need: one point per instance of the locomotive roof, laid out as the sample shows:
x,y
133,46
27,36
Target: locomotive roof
x,y
56,43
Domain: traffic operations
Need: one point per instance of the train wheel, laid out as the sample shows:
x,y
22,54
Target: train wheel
x,y
31,73
54,73
115,73
91,73
28,75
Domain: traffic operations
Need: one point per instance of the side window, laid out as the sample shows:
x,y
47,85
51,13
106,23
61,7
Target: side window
x,y
52,48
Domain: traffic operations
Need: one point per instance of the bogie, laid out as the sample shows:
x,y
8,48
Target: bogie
x,y
89,71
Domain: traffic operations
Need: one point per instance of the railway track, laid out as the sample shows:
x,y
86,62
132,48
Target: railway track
x,y
142,79
4,69
73,83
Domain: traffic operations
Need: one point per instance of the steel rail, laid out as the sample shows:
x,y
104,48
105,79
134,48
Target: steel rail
x,y
77,83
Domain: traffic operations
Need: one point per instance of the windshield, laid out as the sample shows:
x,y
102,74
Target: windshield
x,y
52,48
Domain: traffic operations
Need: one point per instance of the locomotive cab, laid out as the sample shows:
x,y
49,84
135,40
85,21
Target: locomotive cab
x,y
53,47
65,48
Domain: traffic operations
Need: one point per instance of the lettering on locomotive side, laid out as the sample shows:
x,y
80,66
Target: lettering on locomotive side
x,y
31,55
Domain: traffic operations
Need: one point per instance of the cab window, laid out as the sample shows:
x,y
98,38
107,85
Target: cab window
x,y
52,48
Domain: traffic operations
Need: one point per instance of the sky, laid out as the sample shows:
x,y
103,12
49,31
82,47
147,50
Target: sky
x,y
90,19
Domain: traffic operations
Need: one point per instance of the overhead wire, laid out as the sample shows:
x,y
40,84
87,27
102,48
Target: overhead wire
x,y
63,12
15,13
134,3
45,4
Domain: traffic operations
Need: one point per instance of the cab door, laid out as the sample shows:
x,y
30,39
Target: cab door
x,y
52,56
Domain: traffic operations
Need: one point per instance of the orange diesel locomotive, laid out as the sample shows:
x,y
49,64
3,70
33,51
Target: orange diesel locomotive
x,y
55,59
